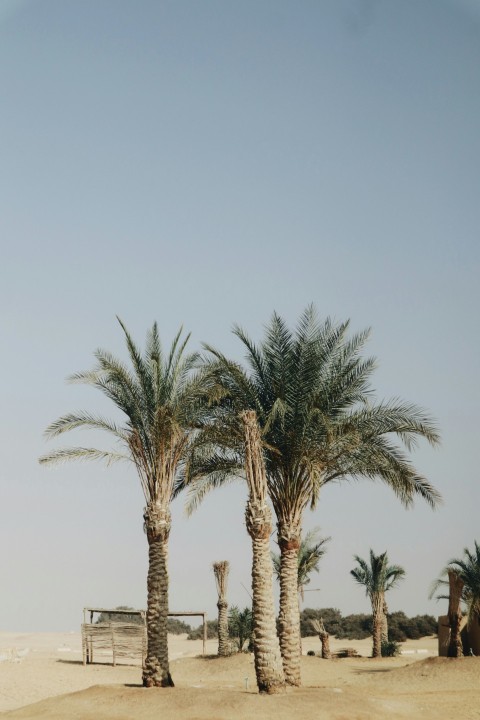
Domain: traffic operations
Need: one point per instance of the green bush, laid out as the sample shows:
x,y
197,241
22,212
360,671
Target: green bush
x,y
390,648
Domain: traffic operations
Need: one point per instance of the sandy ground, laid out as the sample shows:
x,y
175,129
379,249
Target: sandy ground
x,y
42,676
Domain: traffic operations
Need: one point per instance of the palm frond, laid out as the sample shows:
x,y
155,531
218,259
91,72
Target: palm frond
x,y
62,455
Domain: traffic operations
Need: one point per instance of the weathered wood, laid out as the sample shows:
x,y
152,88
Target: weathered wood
x,y
123,639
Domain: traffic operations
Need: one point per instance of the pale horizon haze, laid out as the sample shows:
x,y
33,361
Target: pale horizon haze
x,y
204,164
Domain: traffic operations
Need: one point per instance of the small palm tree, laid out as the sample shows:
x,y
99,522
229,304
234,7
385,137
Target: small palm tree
x,y
377,578
312,549
240,626
462,575
319,424
156,397
221,570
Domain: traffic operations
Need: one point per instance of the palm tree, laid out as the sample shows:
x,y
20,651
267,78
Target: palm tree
x,y
258,518
377,578
311,550
319,424
468,569
221,570
156,396
463,578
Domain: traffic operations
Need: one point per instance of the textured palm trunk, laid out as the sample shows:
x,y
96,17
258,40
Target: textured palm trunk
x,y
268,660
324,638
377,621
289,616
455,582
156,670
384,621
223,638
221,570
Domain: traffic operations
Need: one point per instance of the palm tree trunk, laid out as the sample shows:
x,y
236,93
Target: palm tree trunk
x,y
258,517
377,618
223,639
289,617
384,621
455,582
268,660
221,570
156,670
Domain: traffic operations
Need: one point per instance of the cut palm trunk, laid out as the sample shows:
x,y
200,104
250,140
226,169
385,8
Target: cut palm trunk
x,y
221,570
456,583
289,535
156,670
268,660
324,638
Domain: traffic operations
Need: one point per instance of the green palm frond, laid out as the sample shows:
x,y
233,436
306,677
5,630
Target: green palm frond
x,y
161,404
311,551
83,419
376,576
56,457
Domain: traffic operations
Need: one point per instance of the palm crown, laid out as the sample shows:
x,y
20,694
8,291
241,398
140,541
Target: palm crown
x,y
310,390
378,576
156,396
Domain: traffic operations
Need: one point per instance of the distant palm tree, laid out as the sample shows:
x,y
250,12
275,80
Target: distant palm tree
x,y
319,424
462,575
157,398
377,578
468,569
311,550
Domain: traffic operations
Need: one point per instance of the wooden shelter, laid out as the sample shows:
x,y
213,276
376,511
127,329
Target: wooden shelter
x,y
122,639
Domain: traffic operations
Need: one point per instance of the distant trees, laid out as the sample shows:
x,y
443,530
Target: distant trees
x,y
358,627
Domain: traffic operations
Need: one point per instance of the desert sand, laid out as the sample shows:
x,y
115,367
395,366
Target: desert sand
x,y
42,676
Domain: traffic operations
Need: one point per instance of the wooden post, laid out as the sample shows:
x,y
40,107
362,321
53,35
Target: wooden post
x,y
204,633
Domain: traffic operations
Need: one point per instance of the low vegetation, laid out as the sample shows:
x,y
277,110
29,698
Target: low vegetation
x,y
358,627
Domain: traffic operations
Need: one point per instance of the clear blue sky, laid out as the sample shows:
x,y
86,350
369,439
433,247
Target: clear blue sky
x,y
204,163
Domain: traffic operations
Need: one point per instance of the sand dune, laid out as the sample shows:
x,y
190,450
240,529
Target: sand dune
x,y
224,688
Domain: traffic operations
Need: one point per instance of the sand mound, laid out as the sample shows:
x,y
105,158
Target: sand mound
x,y
122,703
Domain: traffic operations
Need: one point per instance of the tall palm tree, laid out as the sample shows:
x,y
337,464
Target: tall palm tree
x,y
221,570
462,575
258,518
377,578
156,397
312,549
319,424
